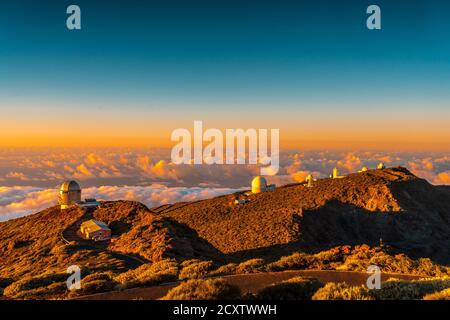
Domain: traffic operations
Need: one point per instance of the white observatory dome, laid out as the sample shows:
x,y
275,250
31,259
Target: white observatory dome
x,y
259,184
69,194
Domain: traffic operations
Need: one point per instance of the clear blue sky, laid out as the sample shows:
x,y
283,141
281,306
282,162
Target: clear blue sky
x,y
292,55
227,50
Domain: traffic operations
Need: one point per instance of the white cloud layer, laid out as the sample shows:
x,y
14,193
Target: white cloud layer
x,y
30,177
21,201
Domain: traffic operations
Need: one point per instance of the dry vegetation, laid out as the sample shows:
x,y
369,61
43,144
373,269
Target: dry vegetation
x,y
298,288
358,258
195,269
149,274
45,284
250,266
342,291
214,238
301,288
210,289
440,295
52,285
35,248
361,208
410,290
393,289
95,283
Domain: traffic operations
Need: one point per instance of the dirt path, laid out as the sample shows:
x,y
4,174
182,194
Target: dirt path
x,y
247,283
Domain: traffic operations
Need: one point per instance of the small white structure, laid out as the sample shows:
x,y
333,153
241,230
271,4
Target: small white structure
x,y
364,169
335,174
95,230
381,166
69,194
88,203
259,184
309,180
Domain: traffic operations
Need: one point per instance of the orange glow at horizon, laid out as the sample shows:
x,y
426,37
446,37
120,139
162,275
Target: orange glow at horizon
x,y
418,131
288,139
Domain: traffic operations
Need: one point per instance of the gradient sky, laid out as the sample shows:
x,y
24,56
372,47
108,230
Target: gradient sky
x,y
139,69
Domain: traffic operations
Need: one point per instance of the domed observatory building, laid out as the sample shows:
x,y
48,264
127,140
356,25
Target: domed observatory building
x,y
259,184
69,194
381,166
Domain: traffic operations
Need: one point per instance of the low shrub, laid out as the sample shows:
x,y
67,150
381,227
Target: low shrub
x,y
296,260
342,291
298,288
226,269
98,276
363,256
50,283
440,295
427,267
57,288
395,289
195,270
200,289
149,274
95,283
331,256
187,263
251,266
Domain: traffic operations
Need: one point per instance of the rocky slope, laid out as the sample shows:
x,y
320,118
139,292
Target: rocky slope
x,y
48,242
392,204
408,214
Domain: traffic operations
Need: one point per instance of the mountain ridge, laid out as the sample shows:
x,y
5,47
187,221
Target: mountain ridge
x,y
406,212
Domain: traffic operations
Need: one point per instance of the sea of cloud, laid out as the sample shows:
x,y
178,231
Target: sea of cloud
x,y
29,178
21,201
